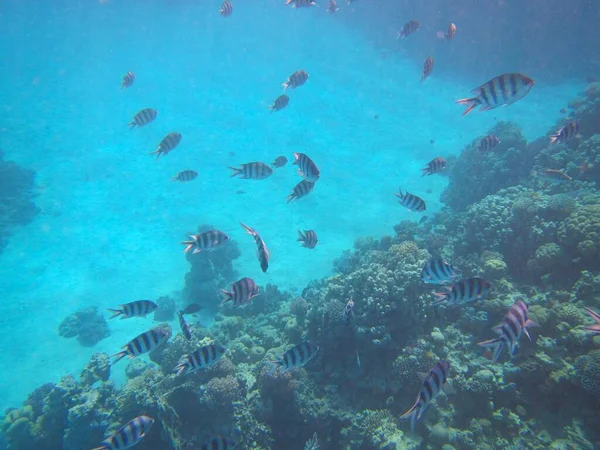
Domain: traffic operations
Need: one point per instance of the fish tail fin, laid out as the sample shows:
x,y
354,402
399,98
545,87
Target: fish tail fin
x,y
189,244
470,102
131,125
441,298
119,356
411,415
290,197
116,312
175,178
181,366
236,171
554,138
425,171
285,86
495,345
301,237
228,296
248,229
593,314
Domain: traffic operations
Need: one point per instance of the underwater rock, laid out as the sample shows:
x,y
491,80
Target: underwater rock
x,y
166,307
97,369
588,371
136,367
87,324
579,234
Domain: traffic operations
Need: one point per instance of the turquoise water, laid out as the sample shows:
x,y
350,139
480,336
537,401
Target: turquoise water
x,y
111,220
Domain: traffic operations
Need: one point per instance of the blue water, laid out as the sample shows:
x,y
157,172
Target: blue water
x,y
111,221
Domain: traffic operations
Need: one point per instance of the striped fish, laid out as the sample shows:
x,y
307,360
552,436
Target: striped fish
x,y
427,68
139,308
242,291
279,103
253,171
411,202
307,169
308,238
409,28
128,435
226,9
144,117
186,175
202,358
300,190
219,443
433,383
298,78
297,356
436,165
465,291
128,80
594,315
300,3
451,32
168,143
566,133
514,326
207,240
488,143
278,162
438,271
332,7
503,90
186,330
261,248
143,343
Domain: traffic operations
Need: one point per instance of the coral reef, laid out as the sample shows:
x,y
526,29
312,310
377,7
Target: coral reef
x,y
89,326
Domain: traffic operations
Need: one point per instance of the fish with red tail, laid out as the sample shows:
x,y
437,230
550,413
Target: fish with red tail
x,y
308,238
502,90
261,248
594,315
436,165
168,143
128,80
144,117
226,9
427,68
279,103
242,291
302,189
465,291
332,8
566,133
409,28
411,202
433,383
207,241
298,78
252,171
278,162
511,329
488,143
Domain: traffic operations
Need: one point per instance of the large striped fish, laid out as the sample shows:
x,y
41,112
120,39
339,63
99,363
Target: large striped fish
x,y
261,248
242,291
219,443
144,117
594,315
433,383
128,435
144,343
138,308
207,241
252,171
566,133
297,356
438,271
465,291
503,90
411,202
514,326
202,358
300,190
307,169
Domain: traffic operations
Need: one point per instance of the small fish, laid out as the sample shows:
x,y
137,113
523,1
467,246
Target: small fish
x,y
298,78
488,143
186,330
465,291
138,308
186,175
451,32
553,175
240,192
433,383
253,171
427,68
219,443
436,165
349,310
514,326
202,358
128,80
242,291
168,143
261,248
300,190
226,9
308,238
411,202
438,271
300,3
566,133
207,240
423,220
128,435
332,8
297,356
279,103
143,343
144,117
307,169
503,90
278,162
594,315
409,28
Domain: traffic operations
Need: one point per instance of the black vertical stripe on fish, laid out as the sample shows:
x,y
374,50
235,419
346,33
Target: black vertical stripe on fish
x,y
279,103
144,117
298,78
300,190
168,143
278,162
307,169
252,171
411,202
502,83
261,248
138,308
185,175
226,9
128,80
143,343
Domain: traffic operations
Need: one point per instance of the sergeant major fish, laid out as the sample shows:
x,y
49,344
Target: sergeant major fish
x,y
186,330
438,271
128,435
411,202
242,291
226,9
300,190
298,78
502,90
186,175
128,80
297,356
280,102
202,358
261,248
427,68
308,238
143,343
409,28
144,117
465,291
332,8
168,143
488,143
253,171
138,308
566,133
278,162
436,165
307,169
207,240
